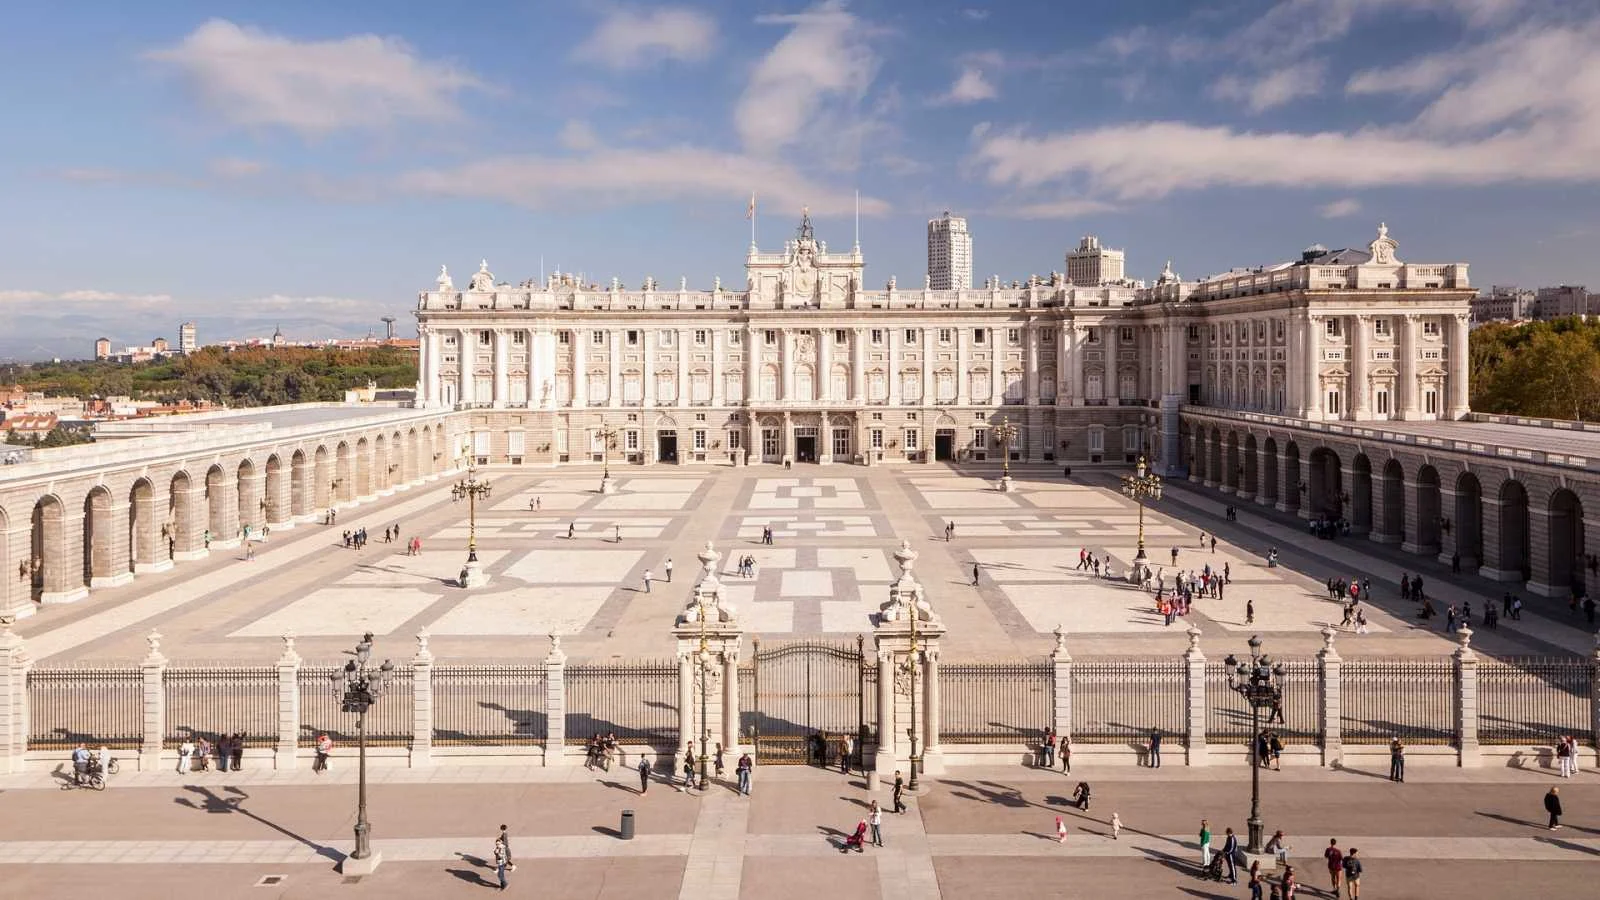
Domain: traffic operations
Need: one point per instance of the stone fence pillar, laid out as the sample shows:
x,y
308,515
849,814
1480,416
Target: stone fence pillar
x,y
288,705
1062,661
1330,668
1466,665
422,702
555,704
154,670
709,636
14,666
1195,669
907,638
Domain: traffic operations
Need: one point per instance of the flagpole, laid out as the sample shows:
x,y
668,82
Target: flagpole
x,y
858,218
753,219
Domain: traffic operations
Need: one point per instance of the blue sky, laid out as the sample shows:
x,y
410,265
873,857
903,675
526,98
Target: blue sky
x,y
246,164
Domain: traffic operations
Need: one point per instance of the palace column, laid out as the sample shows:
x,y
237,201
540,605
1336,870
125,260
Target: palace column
x,y
786,370
647,390
1070,372
1360,359
1110,337
928,384
1030,336
963,365
1409,395
1458,405
682,395
858,366
614,368
580,371
466,362
824,375
424,367
997,368
719,346
752,373
1312,360
502,367
894,367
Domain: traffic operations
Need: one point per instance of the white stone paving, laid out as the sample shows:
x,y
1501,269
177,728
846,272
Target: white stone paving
x,y
337,612
521,612
608,567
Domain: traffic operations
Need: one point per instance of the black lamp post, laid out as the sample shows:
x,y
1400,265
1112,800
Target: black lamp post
x,y
911,671
1141,486
705,723
1259,682
359,686
471,488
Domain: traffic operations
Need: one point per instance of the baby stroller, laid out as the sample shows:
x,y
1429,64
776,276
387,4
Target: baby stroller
x,y
1213,870
857,840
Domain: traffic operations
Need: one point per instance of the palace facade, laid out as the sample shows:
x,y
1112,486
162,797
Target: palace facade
x,y
802,363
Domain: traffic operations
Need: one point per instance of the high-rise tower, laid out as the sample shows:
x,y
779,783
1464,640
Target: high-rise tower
x,y
949,253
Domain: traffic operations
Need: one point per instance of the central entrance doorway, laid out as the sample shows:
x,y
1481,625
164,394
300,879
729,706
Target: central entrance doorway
x,y
944,445
805,444
667,446
794,692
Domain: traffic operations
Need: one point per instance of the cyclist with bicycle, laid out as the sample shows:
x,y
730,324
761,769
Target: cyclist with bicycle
x,y
80,764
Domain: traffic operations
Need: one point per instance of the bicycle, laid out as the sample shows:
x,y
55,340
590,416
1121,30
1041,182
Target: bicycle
x,y
92,780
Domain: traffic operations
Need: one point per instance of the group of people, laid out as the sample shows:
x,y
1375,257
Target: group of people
x,y
195,753
86,763
1052,745
355,540
747,566
824,748
603,748
1328,529
1269,746
1087,562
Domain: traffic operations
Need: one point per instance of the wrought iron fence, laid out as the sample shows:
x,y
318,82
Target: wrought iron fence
x,y
1126,699
497,705
636,701
224,700
1535,700
1412,699
803,688
1228,715
389,721
92,706
979,702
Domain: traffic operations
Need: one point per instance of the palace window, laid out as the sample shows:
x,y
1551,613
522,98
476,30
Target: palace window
x,y
977,335
945,336
1194,332
1094,335
633,337
485,338
877,337
1335,398
1097,439
1047,336
1279,332
771,337
1330,326
701,337
519,337
597,337
1381,402
911,386
735,439
699,439
1430,327
911,438
1380,327
1430,402
911,335
630,440
664,337
1013,336
877,386
841,336
1127,335
877,438
563,337
736,338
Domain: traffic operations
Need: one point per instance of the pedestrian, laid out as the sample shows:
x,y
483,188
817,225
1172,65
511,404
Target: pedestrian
x,y
502,859
324,749
1213,544
1552,805
742,769
1061,831
618,532
1202,540
644,774
1205,843
185,756
875,821
647,581
1564,756
899,792
224,752
669,570
849,748
1116,827
571,527
1254,880
1230,853
1335,858
974,574
538,504
1065,752
1249,612
505,840
80,763
716,760
1155,749
1352,875
238,751
1174,555
1397,760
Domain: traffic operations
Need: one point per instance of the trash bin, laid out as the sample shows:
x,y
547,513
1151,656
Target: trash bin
x,y
627,825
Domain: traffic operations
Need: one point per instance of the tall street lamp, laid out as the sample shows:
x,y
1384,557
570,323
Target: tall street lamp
x,y
910,668
608,439
358,686
1260,683
1006,433
471,488
1143,485
703,657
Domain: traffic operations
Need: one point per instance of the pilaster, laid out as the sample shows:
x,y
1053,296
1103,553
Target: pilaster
x,y
907,638
1466,666
1061,662
708,638
1195,665
14,667
153,669
555,704
288,705
422,702
1330,669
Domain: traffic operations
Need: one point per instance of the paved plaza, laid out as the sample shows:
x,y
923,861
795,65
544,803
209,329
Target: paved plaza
x,y
980,833
566,559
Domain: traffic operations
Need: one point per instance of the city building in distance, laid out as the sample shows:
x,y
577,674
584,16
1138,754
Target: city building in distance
x,y
949,254
1092,265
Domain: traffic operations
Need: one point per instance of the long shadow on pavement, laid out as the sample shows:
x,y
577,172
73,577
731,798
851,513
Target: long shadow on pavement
x,y
212,802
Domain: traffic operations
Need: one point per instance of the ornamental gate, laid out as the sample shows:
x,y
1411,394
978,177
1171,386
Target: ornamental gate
x,y
793,691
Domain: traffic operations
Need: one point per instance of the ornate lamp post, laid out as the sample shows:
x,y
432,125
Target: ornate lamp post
x,y
1260,683
1006,433
703,656
608,439
470,487
359,686
1143,485
910,668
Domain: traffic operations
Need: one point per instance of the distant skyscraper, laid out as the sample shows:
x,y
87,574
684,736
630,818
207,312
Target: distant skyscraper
x,y
187,342
949,253
102,348
1092,265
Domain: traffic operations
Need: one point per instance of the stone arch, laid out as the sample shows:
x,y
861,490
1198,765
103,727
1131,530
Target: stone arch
x,y
380,463
99,539
1429,516
343,484
1214,459
299,480
145,552
363,487
805,383
8,566
1232,468
322,475
1514,555
1270,482
1392,524
1325,484
251,503
397,459
274,492
56,576
216,510
1250,485
1468,523
179,530
1566,541
1361,495
426,464
1294,484
413,468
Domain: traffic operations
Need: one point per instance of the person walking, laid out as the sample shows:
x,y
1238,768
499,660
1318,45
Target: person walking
x,y
1352,875
1205,843
688,769
185,756
875,822
1564,756
1155,749
1397,760
80,763
644,774
505,840
1335,858
502,861
1249,612
742,769
845,753
1116,827
669,570
647,581
899,792
1552,805
1230,853
324,750
974,574
1065,752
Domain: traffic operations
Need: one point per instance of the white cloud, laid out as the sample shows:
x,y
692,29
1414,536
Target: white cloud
x,y
254,78
1292,27
975,14
629,38
95,297
619,176
1272,89
231,167
969,87
824,57
1338,209
1494,124
578,135
1064,208
980,129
